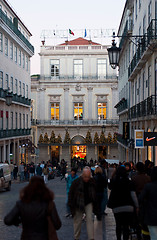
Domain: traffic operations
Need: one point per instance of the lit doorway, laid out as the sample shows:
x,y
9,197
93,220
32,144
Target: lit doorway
x,y
102,153
55,153
79,151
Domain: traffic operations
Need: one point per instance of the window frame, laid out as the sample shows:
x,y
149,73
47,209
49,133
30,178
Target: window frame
x,y
55,107
78,117
76,75
102,107
1,42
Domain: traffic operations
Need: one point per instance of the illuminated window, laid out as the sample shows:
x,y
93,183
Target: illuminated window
x,y
78,111
55,111
78,68
54,68
102,68
101,111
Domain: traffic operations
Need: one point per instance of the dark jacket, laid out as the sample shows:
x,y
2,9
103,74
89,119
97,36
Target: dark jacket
x,y
120,193
100,183
148,198
139,181
76,200
33,217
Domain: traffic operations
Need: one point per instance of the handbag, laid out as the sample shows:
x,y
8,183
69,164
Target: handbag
x,y
52,235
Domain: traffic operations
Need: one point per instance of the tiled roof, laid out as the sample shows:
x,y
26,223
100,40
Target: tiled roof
x,y
79,41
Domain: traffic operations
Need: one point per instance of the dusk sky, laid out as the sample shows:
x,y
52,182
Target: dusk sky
x,y
83,14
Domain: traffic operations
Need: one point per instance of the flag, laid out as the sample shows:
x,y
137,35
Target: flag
x,y
85,33
71,32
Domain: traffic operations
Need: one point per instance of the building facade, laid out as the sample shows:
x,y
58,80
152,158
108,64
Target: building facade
x,y
15,53
137,107
74,95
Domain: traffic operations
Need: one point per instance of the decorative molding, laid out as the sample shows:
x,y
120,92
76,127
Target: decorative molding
x,y
78,87
90,88
41,89
101,98
55,98
66,89
78,98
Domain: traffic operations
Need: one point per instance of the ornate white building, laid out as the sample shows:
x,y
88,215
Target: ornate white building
x,y
15,53
75,92
137,104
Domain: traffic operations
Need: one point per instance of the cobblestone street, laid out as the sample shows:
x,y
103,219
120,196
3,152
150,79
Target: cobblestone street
x,y
103,231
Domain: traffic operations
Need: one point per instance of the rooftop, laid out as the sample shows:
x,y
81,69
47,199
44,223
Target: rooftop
x,y
79,41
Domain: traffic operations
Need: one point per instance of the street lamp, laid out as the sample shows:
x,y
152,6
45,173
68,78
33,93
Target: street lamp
x,y
103,128
9,97
114,53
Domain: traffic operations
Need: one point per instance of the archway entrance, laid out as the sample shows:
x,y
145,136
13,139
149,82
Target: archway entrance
x,y
78,149
55,152
102,152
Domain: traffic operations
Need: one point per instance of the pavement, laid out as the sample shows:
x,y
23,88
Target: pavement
x,y
104,230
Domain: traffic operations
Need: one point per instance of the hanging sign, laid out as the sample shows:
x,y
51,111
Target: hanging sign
x,y
139,138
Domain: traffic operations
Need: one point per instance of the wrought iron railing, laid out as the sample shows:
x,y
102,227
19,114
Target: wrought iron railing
x,y
11,25
72,77
143,44
16,98
144,108
123,105
14,133
75,122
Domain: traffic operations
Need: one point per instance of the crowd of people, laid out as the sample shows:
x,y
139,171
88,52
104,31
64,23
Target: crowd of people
x,y
132,197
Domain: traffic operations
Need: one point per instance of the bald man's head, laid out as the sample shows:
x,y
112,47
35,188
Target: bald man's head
x,y
86,175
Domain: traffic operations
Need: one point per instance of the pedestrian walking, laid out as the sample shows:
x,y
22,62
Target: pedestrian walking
x,y
39,170
36,211
21,172
70,179
123,202
15,171
100,185
31,170
82,199
148,199
46,173
105,193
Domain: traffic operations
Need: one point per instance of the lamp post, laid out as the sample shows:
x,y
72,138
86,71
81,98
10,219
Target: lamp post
x,y
9,97
114,53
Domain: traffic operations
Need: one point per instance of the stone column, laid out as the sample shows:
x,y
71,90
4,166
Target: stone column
x,y
66,103
90,90
41,104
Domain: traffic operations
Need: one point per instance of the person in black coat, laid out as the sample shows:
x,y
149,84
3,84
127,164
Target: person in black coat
x,y
100,181
123,201
148,199
32,210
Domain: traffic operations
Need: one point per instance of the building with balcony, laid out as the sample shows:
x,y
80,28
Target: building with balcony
x,y
137,77
15,103
74,96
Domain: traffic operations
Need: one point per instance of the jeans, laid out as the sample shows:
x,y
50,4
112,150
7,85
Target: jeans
x,y
31,175
122,224
153,232
21,176
104,201
46,179
89,222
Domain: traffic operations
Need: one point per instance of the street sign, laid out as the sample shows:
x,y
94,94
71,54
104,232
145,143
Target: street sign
x,y
139,138
150,138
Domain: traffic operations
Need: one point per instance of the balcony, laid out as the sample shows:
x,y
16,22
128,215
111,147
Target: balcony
x,y
148,107
122,105
9,23
126,32
8,133
143,50
16,98
75,122
122,140
71,78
